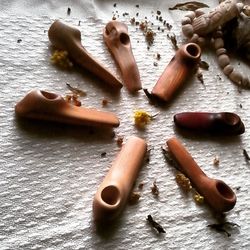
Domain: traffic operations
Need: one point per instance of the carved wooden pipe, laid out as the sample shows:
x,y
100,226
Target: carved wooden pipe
x,y
48,106
217,194
116,37
113,192
224,123
68,38
177,71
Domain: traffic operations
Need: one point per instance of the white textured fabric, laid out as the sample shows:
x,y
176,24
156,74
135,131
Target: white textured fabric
x,y
50,173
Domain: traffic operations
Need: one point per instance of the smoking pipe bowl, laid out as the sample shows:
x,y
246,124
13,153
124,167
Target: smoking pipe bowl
x,y
217,194
113,192
116,37
43,105
68,38
177,71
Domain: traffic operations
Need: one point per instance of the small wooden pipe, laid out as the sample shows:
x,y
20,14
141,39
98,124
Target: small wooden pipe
x,y
178,70
113,192
68,38
116,37
42,105
224,123
217,194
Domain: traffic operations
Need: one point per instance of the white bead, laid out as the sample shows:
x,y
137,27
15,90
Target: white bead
x,y
188,30
186,20
223,60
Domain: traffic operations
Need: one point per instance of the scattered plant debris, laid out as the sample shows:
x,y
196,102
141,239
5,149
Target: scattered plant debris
x,y
199,199
73,99
247,157
155,64
155,225
68,11
183,182
19,40
173,40
141,185
155,189
105,102
134,197
103,154
141,118
223,227
61,59
119,141
216,160
75,90
169,159
204,65
199,76
193,5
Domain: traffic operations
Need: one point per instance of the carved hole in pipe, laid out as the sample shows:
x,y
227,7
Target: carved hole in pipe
x,y
110,195
124,38
230,119
224,190
192,50
50,96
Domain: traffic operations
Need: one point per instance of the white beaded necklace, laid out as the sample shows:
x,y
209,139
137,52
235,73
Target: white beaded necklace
x,y
197,25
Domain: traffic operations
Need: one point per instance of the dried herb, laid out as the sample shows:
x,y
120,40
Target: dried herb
x,y
137,6
105,102
169,159
173,40
19,40
183,182
134,197
199,76
155,189
141,185
155,64
155,225
114,5
79,23
216,160
158,56
119,141
193,5
223,227
76,90
204,65
158,12
103,154
247,157
68,11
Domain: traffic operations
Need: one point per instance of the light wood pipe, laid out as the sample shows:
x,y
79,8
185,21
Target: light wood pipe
x,y
116,37
217,194
68,38
113,192
43,105
181,66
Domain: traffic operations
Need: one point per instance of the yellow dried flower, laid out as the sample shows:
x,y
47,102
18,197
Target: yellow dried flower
x,y
199,199
141,118
60,58
183,182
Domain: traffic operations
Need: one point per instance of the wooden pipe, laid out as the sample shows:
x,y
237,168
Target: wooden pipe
x,y
113,192
178,70
223,123
43,105
116,37
217,194
68,38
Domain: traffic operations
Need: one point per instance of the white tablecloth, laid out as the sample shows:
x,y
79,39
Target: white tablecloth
x,y
49,173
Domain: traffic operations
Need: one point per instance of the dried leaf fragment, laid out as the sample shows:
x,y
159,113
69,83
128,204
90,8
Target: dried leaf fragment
x,y
134,197
75,90
216,160
173,40
223,227
247,157
204,65
193,5
155,189
60,58
141,118
155,225
183,182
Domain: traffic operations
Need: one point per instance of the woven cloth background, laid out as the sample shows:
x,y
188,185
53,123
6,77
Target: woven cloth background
x,y
49,173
